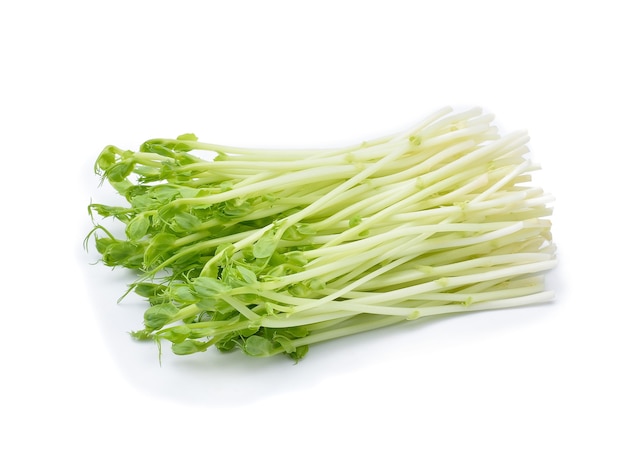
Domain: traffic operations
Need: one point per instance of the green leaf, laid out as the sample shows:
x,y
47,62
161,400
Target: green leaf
x,y
296,257
189,347
123,253
213,305
185,222
292,234
316,284
120,171
136,190
190,192
247,275
258,346
143,203
299,353
158,248
305,229
168,148
183,294
227,248
295,332
299,290
282,270
228,343
176,334
231,209
285,343
147,289
118,212
103,244
138,227
251,299
142,335
208,287
187,137
265,246
164,194
107,157
157,316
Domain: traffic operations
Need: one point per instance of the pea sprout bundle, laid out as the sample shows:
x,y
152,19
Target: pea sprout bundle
x,y
271,251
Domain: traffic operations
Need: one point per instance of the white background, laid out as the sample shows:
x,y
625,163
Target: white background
x,y
542,381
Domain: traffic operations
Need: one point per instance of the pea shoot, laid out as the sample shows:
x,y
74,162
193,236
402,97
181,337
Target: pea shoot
x,y
270,251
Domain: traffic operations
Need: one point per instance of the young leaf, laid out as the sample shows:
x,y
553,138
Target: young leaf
x,y
120,171
258,346
247,275
208,287
185,223
265,246
157,316
138,227
107,158
148,289
182,294
176,334
188,347
187,137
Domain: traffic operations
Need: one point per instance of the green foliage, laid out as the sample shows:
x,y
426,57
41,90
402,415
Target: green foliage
x,y
270,251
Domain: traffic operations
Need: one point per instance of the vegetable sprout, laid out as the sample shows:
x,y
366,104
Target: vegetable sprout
x,y
270,251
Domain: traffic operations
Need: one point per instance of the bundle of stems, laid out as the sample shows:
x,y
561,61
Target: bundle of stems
x,y
271,251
